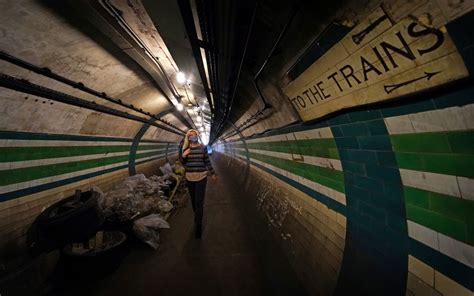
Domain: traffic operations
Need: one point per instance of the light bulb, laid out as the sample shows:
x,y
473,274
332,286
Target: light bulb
x,y
180,77
180,107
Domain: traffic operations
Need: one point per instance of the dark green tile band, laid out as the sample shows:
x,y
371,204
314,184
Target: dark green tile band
x,y
449,215
54,184
324,176
435,142
449,164
315,147
8,177
329,202
9,154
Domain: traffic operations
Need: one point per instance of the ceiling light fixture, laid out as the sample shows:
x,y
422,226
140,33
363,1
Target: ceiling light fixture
x,y
179,106
199,118
180,77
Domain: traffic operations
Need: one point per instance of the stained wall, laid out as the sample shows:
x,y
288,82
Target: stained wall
x,y
377,199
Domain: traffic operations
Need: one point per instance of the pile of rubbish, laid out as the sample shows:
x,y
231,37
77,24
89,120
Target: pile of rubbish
x,y
144,202
138,195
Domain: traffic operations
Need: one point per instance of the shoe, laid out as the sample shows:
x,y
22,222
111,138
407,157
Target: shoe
x,y
198,231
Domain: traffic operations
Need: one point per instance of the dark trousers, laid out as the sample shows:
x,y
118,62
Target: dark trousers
x,y
197,190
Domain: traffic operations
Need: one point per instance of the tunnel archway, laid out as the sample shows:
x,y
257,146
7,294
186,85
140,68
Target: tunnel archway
x,y
345,130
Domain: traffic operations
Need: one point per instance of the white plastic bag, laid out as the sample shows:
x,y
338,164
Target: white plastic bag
x,y
165,206
100,197
166,169
147,229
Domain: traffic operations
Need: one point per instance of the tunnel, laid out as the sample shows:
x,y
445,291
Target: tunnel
x,y
340,133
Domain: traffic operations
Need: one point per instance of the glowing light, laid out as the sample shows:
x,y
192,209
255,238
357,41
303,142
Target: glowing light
x,y
180,77
179,106
199,118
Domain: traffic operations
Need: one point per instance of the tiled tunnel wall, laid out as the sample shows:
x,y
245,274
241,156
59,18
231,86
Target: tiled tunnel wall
x,y
401,175
38,169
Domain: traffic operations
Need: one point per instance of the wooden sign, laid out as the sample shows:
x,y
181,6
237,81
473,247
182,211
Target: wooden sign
x,y
376,61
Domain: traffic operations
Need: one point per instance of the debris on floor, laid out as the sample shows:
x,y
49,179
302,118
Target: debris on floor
x,y
147,229
139,195
137,204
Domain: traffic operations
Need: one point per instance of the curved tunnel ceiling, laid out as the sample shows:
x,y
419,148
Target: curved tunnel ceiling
x,y
82,42
133,50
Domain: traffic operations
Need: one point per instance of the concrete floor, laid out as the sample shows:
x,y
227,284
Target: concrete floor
x,y
236,255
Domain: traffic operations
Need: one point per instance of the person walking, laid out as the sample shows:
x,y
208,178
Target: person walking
x,y
197,166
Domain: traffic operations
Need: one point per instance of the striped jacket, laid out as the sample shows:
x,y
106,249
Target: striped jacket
x,y
198,160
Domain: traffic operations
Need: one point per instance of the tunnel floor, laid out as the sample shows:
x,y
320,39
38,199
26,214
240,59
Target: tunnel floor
x,y
236,255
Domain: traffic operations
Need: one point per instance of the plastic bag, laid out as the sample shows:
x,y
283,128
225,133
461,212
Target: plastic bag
x,y
138,178
100,197
166,169
147,229
165,206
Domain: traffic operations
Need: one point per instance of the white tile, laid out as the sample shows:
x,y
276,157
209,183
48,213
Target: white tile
x,y
440,183
466,185
59,160
320,133
423,234
427,122
329,192
453,118
449,287
42,143
457,118
5,166
456,249
323,162
421,270
399,125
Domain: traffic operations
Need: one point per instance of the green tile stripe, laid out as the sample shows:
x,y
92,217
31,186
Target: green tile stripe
x,y
328,177
453,142
8,177
449,164
16,135
446,214
9,154
313,147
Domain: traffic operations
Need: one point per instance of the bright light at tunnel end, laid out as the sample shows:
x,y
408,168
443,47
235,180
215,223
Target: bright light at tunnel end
x,y
180,77
204,139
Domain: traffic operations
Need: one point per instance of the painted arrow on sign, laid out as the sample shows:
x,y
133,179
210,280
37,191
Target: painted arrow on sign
x,y
357,38
392,87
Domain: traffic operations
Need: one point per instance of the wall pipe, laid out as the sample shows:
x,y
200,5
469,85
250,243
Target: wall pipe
x,y
186,13
110,13
221,125
266,105
77,85
25,86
